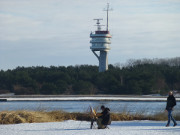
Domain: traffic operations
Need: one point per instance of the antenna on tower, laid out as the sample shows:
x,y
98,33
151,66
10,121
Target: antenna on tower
x,y
98,24
107,9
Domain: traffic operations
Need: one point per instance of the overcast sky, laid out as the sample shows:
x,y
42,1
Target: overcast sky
x,y
56,32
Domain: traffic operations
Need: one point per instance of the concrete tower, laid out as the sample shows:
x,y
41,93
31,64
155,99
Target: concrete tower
x,y
101,42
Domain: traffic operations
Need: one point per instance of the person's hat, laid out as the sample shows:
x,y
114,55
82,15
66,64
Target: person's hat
x,y
102,107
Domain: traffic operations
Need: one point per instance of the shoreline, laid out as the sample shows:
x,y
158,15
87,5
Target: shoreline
x,y
27,116
144,98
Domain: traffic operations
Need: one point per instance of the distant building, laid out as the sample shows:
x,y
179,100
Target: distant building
x,y
101,42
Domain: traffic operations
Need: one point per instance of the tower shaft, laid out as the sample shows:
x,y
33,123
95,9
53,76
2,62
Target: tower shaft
x,y
103,61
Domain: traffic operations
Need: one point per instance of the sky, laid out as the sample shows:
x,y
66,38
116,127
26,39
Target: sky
x,y
56,32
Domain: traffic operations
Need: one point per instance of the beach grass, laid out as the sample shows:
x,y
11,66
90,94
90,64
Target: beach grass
x,y
25,116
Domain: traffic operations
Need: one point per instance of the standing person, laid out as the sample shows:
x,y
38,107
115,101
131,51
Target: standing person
x,y
171,102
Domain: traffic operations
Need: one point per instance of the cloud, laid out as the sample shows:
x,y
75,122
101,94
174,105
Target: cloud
x,y
45,32
17,27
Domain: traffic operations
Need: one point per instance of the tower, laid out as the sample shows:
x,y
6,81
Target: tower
x,y
100,40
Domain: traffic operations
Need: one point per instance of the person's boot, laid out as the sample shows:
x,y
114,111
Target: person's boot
x,y
167,125
174,124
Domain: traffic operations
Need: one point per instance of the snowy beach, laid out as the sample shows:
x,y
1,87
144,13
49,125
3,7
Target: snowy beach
x,y
71,127
86,98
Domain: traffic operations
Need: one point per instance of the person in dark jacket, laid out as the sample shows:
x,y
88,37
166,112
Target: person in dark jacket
x,y
104,119
171,102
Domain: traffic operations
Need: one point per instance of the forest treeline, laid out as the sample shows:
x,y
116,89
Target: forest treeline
x,y
145,76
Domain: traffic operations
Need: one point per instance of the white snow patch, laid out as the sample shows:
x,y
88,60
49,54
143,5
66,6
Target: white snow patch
x,y
71,127
89,98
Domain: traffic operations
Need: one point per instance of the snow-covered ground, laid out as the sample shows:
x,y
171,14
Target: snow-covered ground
x,y
71,127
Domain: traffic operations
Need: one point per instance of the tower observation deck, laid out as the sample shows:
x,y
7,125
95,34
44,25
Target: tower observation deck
x,y
100,40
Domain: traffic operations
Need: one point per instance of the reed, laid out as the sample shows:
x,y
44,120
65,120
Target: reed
x,y
25,116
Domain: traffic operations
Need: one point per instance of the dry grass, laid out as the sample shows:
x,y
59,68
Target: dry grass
x,y
15,117
24,116
127,117
163,116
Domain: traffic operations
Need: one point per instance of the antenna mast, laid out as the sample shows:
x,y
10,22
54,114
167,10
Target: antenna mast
x,y
107,9
98,24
